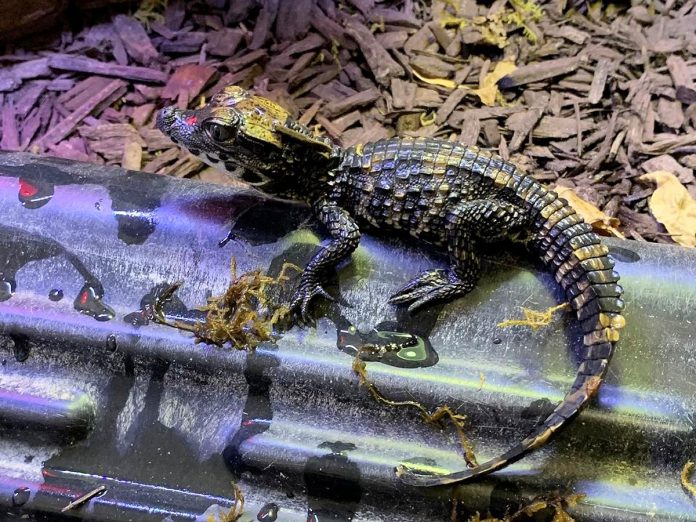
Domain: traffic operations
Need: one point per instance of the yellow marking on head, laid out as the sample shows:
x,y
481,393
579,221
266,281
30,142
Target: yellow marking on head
x,y
260,117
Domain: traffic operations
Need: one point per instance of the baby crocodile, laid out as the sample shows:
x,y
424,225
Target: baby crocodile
x,y
444,194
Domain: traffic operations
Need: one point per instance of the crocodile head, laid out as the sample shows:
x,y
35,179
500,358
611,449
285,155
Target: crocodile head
x,y
238,129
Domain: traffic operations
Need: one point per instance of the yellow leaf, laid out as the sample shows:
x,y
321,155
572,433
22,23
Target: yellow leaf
x,y
489,88
672,205
591,214
442,82
427,119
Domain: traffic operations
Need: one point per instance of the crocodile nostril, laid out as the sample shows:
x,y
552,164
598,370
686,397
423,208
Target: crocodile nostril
x,y
165,117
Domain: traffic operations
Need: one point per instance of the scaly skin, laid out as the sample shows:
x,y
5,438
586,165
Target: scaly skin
x,y
446,195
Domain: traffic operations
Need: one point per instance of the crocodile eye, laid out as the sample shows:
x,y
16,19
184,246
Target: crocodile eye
x,y
218,132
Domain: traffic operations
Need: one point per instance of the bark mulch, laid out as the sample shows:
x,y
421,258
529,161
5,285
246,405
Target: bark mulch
x,y
599,94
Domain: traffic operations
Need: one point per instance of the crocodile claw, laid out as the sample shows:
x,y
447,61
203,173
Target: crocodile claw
x,y
431,286
308,289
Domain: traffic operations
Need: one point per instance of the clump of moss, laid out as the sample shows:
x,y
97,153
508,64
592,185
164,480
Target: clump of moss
x,y
494,28
535,319
243,316
150,11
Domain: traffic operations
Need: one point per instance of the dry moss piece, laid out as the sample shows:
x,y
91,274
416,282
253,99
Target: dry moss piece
x,y
437,416
494,28
686,483
533,318
235,512
553,501
242,316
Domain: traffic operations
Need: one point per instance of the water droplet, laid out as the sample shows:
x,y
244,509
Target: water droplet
x,y
20,496
56,294
7,289
111,342
268,513
21,347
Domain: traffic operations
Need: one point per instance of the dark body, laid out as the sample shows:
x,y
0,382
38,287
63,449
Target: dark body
x,y
413,184
439,192
456,197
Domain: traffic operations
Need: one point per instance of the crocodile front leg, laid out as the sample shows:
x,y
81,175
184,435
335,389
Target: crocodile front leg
x,y
345,236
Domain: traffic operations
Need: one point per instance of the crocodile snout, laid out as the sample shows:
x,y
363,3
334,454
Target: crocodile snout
x,y
165,118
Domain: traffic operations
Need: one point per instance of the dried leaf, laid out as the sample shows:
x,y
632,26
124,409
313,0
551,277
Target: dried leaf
x,y
673,206
489,88
442,82
602,223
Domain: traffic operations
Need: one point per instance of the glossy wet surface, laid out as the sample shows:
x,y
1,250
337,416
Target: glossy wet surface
x,y
96,394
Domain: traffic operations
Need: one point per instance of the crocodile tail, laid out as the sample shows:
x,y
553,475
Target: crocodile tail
x,y
581,265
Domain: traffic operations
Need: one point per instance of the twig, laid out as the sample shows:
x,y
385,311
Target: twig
x,y
436,417
84,498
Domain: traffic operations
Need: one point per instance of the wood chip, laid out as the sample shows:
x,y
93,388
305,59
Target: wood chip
x,y
336,108
552,127
403,94
471,128
381,63
110,92
452,101
668,163
540,71
599,80
132,155
136,41
68,62
10,132
522,123
186,83
670,113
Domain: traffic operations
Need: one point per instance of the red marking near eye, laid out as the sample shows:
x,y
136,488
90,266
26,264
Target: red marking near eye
x,y
26,189
192,120
83,298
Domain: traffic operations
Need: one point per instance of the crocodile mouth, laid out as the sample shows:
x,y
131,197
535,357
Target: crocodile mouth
x,y
253,178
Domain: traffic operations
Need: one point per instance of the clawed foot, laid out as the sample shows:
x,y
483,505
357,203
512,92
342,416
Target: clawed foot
x,y
308,289
434,285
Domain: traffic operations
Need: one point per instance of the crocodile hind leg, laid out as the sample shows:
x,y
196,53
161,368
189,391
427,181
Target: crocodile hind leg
x,y
467,224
